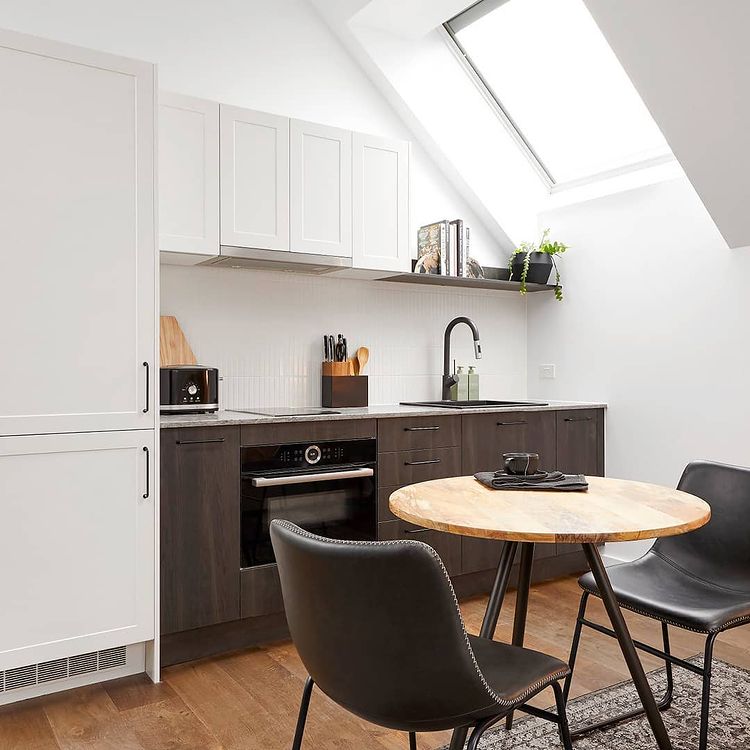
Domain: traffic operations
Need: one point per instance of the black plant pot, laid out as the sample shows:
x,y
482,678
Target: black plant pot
x,y
540,268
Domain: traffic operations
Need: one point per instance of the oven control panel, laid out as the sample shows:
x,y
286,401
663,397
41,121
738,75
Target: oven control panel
x,y
305,455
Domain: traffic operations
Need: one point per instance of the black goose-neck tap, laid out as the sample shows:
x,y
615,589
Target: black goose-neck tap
x,y
449,379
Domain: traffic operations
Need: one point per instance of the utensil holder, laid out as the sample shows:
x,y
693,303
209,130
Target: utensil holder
x,y
340,389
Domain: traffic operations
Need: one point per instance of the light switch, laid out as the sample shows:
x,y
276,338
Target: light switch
x,y
547,372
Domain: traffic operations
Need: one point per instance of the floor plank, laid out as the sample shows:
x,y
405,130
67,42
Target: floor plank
x,y
248,700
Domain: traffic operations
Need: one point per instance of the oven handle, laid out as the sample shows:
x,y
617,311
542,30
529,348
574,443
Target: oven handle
x,y
326,476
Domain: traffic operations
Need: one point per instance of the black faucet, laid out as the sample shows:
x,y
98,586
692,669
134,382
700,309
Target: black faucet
x,y
449,379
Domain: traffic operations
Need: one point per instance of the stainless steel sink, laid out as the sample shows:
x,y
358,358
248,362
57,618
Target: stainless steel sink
x,y
478,404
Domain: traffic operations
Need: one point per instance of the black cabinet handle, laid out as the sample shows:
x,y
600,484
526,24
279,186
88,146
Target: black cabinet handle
x,y
422,463
421,429
415,531
148,473
506,424
148,387
577,419
199,442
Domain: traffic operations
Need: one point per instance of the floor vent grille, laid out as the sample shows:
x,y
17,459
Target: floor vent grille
x,y
60,669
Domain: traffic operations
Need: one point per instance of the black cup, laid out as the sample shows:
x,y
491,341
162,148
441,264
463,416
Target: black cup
x,y
522,464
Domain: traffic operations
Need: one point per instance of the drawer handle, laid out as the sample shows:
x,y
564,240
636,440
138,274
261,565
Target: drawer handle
x,y
518,421
421,429
577,419
148,474
415,531
422,463
199,442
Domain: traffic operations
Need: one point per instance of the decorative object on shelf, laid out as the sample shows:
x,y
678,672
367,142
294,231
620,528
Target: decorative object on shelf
x,y
432,248
473,269
532,263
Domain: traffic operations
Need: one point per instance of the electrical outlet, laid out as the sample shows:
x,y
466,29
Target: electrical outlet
x,y
547,372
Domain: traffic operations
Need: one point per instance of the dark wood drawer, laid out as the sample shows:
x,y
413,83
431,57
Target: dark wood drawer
x,y
408,467
298,432
260,591
448,546
414,433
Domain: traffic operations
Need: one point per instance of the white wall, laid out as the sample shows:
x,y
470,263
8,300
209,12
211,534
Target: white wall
x,y
264,330
273,56
655,323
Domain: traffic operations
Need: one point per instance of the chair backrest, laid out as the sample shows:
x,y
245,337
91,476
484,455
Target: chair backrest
x,y
378,628
718,552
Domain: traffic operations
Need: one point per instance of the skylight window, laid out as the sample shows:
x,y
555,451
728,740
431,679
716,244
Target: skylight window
x,y
551,72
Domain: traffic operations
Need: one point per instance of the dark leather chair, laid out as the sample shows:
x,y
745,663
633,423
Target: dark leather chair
x,y
377,626
698,581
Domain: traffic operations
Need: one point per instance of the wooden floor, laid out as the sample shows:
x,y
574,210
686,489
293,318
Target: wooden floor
x,y
248,700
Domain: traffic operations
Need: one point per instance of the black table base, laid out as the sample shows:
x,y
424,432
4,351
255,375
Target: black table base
x,y
619,629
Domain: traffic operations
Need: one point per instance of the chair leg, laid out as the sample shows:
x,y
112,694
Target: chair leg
x,y
562,715
412,741
576,643
480,729
706,696
666,701
302,717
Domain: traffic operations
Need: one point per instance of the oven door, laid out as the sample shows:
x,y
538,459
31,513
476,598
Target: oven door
x,y
336,502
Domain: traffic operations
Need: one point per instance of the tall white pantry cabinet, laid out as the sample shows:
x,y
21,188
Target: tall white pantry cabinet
x,y
78,399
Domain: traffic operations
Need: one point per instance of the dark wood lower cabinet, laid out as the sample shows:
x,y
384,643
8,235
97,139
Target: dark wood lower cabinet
x,y
200,527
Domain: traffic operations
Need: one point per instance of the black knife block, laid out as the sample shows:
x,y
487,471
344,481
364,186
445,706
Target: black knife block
x,y
339,391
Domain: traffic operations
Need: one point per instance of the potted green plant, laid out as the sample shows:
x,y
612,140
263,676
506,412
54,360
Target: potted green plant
x,y
532,263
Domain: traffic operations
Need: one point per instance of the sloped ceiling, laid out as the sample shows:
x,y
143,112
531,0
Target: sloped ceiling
x,y
690,61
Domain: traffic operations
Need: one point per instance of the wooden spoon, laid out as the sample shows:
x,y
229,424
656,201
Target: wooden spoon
x,y
363,355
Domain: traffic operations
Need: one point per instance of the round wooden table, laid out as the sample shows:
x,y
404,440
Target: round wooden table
x,y
612,510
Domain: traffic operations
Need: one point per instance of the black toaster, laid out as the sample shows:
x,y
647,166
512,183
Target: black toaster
x,y
189,389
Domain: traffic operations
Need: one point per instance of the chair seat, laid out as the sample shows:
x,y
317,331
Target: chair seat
x,y
514,673
657,588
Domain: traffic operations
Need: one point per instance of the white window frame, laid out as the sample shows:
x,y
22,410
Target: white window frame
x,y
448,33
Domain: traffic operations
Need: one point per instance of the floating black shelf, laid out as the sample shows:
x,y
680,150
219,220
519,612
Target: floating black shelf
x,y
457,281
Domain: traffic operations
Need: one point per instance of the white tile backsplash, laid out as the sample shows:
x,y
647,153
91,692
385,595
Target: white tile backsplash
x,y
264,331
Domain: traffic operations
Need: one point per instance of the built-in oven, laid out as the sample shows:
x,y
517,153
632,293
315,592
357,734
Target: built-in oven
x,y
328,488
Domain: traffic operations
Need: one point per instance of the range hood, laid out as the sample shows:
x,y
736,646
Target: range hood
x,y
277,260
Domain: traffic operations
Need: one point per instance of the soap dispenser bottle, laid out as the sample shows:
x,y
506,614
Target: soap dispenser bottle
x,y
473,384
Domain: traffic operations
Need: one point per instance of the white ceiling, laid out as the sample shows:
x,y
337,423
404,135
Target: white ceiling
x,y
690,61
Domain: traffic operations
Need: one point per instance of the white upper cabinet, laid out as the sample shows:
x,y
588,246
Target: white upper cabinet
x,y
254,179
78,544
78,260
188,176
321,189
381,203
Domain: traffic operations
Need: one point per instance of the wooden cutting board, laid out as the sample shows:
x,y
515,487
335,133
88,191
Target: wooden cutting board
x,y
173,346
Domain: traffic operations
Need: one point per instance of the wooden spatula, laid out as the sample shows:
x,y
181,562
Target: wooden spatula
x,y
363,355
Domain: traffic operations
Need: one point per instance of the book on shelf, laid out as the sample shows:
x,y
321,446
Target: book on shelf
x,y
432,248
458,249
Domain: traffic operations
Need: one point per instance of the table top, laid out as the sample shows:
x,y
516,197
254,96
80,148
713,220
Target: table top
x,y
612,510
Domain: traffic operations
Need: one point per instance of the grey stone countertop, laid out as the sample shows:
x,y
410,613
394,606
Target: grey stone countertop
x,y
221,418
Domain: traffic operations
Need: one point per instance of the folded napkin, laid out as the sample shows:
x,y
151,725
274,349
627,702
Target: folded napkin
x,y
542,480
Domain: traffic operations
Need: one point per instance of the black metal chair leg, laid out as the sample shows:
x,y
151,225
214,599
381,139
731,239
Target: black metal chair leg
x,y
458,739
562,715
666,701
706,696
302,717
412,741
480,729
576,643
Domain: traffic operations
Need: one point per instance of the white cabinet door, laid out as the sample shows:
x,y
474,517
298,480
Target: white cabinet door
x,y
321,189
381,203
254,179
77,555
188,175
78,260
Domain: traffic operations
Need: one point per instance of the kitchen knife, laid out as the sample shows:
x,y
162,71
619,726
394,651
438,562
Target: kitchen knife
x,y
326,350
345,355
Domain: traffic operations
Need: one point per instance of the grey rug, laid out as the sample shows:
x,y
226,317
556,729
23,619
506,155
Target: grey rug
x,y
729,727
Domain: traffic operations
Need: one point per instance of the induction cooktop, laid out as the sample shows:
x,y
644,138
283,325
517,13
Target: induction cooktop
x,y
288,411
